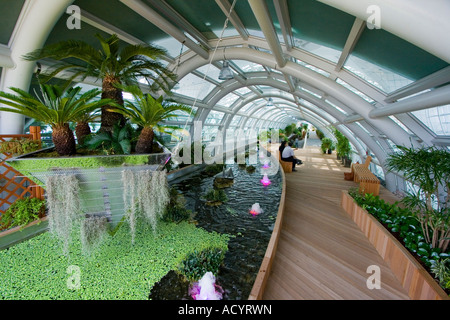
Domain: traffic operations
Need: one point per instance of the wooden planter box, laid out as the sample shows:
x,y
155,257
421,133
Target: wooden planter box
x,y
419,284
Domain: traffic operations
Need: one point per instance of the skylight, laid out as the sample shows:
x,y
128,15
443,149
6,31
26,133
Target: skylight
x,y
437,119
385,80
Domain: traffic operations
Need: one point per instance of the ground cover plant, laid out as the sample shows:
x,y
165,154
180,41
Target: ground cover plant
x,y
117,269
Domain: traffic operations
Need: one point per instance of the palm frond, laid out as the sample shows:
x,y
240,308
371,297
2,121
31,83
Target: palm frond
x,y
66,49
141,52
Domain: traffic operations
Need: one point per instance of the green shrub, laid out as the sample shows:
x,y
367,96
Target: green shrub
x,y
215,197
213,169
19,146
441,268
22,212
198,263
176,211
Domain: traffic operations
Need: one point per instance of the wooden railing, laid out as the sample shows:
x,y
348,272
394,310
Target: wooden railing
x,y
13,185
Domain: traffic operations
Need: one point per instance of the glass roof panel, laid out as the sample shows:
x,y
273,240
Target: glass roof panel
x,y
235,121
247,66
214,117
243,90
437,119
380,77
354,90
313,68
228,100
335,106
400,124
182,116
210,71
193,86
318,50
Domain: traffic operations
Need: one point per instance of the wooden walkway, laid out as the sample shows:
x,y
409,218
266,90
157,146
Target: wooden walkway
x,y
322,254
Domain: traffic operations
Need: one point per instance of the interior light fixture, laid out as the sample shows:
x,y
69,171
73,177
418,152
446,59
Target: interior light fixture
x,y
226,73
270,103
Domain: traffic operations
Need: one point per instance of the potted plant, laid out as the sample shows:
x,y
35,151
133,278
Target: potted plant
x,y
113,63
343,148
326,144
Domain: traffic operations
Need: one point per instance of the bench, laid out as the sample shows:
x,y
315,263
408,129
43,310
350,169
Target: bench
x,y
365,164
368,182
287,166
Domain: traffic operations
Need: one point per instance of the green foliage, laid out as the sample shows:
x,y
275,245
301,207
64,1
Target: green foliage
x,y
343,147
149,112
128,63
56,106
37,270
216,197
117,141
320,134
22,212
326,144
176,210
288,130
441,268
198,263
213,169
19,146
429,169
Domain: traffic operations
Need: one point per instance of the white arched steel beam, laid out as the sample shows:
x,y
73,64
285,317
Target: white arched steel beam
x,y
331,88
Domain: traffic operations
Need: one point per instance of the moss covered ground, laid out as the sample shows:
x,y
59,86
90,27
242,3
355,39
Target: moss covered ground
x,y
118,269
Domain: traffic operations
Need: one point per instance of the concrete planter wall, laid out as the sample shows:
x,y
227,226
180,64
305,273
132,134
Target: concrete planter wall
x,y
419,284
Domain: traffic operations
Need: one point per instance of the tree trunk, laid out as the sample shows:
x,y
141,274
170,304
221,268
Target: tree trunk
x,y
145,141
82,129
63,140
109,91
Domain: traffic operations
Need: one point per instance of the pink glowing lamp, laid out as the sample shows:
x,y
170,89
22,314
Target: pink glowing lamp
x,y
265,180
206,288
256,209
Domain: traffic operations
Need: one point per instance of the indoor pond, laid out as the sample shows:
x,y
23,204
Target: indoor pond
x,y
250,230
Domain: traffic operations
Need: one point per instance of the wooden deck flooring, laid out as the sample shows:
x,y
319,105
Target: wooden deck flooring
x,y
322,254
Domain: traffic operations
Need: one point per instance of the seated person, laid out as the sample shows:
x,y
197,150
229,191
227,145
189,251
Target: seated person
x,y
282,146
288,156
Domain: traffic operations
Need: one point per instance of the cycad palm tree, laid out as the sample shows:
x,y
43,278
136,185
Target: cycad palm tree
x,y
148,113
113,64
56,107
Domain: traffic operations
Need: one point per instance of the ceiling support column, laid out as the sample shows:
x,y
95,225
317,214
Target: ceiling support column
x,y
33,26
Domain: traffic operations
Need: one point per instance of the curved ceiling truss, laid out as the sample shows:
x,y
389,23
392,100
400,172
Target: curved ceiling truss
x,y
304,86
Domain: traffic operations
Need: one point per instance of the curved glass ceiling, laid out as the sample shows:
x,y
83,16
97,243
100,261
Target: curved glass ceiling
x,y
377,67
